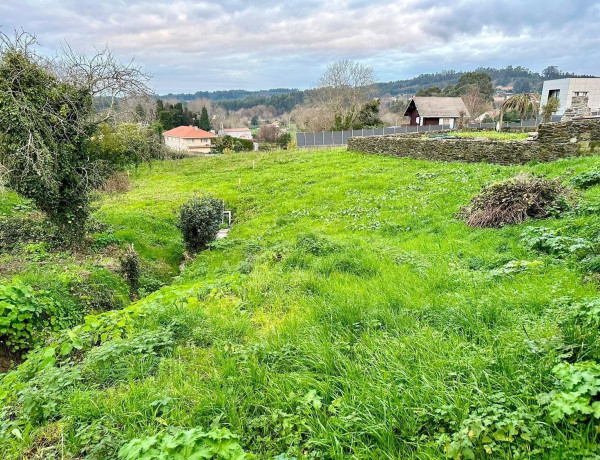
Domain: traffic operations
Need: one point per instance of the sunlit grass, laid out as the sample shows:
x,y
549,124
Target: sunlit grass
x,y
501,136
346,281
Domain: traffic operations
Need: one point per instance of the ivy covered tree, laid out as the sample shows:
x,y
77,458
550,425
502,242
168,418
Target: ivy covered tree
x,y
204,122
47,119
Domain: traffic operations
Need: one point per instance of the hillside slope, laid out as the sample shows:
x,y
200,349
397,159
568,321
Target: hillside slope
x,y
349,314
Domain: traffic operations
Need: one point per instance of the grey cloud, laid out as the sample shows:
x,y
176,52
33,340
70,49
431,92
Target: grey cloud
x,y
261,44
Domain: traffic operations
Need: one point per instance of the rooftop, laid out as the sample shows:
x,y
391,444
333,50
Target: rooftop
x,y
450,107
188,132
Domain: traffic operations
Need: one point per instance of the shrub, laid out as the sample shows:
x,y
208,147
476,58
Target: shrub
x,y
515,200
199,221
284,140
586,179
17,229
101,290
23,313
125,144
231,143
130,267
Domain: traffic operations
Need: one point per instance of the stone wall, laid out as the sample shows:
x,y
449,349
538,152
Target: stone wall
x,y
579,108
554,141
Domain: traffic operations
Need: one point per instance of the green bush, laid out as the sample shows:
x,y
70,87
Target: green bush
x,y
101,290
284,140
231,143
30,228
125,144
577,396
199,222
24,313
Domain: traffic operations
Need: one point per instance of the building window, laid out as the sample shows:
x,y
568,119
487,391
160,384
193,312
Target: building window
x,y
581,93
555,93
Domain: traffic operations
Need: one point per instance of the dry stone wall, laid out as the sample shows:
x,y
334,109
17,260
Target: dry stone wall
x,y
554,141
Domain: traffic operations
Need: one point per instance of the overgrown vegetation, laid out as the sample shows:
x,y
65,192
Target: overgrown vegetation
x,y
348,314
516,200
47,120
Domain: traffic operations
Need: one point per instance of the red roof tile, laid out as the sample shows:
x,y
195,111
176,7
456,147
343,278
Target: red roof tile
x,y
189,132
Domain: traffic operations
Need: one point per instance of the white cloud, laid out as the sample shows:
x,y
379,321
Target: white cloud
x,y
197,45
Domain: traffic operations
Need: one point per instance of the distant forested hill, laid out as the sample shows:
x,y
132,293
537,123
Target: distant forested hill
x,y
228,95
285,99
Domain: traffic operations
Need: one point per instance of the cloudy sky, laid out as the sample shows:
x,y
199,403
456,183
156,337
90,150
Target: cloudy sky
x,y
191,45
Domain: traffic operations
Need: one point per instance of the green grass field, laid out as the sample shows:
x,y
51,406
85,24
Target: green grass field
x,y
349,314
499,136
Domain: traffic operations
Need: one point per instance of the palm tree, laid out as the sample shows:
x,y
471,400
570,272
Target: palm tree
x,y
521,103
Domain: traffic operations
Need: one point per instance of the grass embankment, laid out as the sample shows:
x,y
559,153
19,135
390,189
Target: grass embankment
x,y
348,314
498,136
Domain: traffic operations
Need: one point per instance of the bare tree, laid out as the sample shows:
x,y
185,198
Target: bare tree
x,y
101,74
475,102
268,133
341,92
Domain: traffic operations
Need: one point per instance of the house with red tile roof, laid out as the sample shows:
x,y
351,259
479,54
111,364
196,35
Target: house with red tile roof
x,y
189,139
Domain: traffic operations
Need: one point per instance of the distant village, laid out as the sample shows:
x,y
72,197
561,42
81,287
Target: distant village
x,y
572,98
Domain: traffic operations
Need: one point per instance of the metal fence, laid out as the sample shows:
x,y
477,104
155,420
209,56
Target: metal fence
x,y
333,138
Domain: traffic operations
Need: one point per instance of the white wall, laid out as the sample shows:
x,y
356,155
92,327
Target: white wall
x,y
568,87
183,144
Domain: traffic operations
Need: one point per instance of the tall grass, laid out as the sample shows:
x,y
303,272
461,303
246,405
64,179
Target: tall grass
x,y
349,314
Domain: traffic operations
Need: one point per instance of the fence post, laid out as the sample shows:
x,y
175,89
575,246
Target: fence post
x,y
363,133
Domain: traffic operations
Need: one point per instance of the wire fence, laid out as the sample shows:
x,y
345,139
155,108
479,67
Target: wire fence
x,y
333,138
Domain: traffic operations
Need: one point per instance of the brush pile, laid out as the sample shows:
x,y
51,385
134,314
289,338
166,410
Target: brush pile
x,y
516,200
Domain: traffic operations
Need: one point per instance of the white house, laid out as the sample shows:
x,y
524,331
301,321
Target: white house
x,y
565,89
189,138
239,133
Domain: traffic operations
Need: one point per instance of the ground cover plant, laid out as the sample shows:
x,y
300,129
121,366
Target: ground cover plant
x,y
349,314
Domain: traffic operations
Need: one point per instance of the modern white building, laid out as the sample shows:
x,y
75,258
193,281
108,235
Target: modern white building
x,y
239,133
564,89
189,138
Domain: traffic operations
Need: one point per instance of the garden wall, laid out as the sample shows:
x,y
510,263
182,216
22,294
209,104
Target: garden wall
x,y
554,141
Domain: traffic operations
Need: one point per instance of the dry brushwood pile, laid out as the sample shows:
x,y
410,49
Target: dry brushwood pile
x,y
515,200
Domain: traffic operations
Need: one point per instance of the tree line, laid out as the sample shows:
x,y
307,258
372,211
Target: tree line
x,y
285,99
170,116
